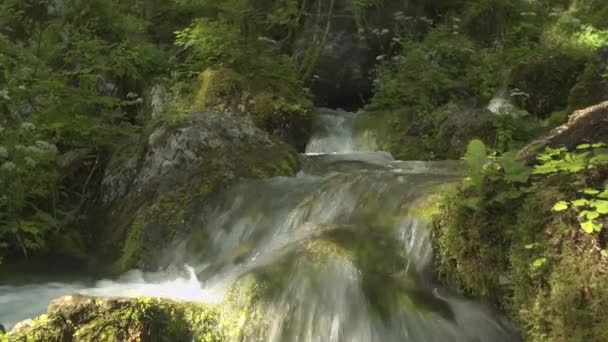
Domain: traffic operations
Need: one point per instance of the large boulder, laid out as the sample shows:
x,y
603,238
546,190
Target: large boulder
x,y
156,188
462,124
586,126
81,318
542,84
592,85
281,108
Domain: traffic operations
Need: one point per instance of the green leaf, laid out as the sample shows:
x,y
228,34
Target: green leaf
x,y
476,157
560,206
591,215
539,262
589,226
583,146
590,191
580,202
601,206
531,245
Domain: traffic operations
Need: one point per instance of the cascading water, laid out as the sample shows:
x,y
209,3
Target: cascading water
x,y
343,254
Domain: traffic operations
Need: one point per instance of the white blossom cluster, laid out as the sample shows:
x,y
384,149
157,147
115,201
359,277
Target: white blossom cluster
x,y
39,147
3,152
8,166
27,126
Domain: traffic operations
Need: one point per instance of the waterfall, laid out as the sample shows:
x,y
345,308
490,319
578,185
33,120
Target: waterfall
x,y
347,258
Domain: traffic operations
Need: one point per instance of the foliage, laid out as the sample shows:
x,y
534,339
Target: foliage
x,y
71,76
493,179
591,204
423,74
27,179
585,157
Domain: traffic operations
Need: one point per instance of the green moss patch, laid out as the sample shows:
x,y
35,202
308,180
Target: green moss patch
x,y
534,263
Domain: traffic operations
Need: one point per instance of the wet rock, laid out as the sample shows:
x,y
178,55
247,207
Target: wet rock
x,y
589,125
154,188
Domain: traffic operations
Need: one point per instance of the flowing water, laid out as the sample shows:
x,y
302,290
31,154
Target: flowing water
x,y
341,244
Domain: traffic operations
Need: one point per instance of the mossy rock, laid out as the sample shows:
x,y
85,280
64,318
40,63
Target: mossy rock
x,y
158,192
546,81
80,318
77,318
388,131
283,110
443,135
534,263
592,85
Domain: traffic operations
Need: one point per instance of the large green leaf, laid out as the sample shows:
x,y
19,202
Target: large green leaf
x,y
476,157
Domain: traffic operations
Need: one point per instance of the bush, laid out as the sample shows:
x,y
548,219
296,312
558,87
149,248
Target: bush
x,y
424,74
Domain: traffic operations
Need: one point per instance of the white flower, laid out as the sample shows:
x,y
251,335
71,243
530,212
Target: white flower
x,y
33,150
3,152
20,148
30,162
45,146
8,166
27,126
4,95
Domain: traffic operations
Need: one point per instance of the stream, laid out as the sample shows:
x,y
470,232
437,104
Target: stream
x,y
341,242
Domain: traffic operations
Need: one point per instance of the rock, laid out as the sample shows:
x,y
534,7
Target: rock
x,y
158,98
154,189
591,86
542,84
80,318
589,125
2,329
460,126
283,110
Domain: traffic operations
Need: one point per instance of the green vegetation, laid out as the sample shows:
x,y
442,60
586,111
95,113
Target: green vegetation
x,y
82,80
539,55
531,239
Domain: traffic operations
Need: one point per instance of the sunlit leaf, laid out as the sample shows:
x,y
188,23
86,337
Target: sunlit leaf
x,y
560,206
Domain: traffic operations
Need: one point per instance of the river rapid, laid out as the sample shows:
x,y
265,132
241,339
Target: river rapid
x,y
353,258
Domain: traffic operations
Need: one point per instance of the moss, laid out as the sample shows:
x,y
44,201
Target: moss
x,y
168,213
214,86
280,107
77,318
546,80
429,207
490,253
387,131
591,87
